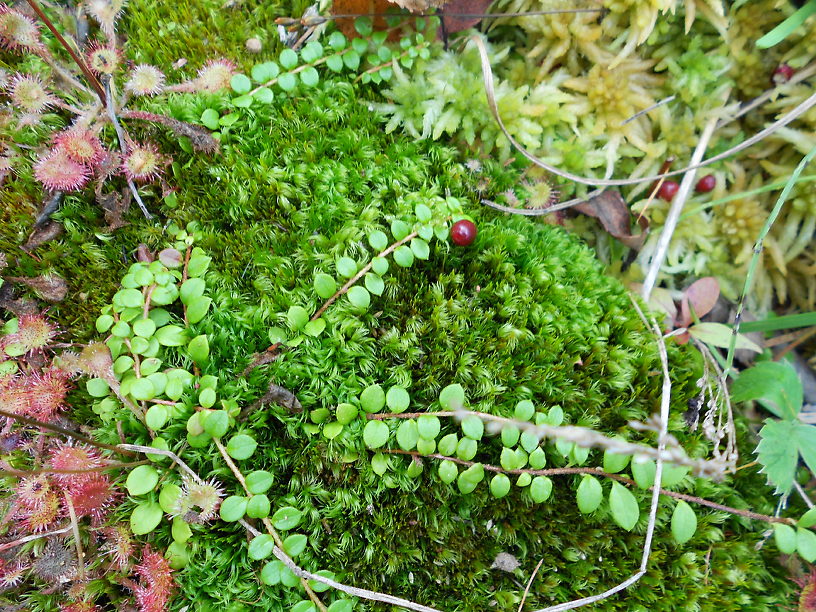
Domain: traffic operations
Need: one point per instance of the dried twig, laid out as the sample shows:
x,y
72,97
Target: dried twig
x,y
529,584
672,218
34,536
586,438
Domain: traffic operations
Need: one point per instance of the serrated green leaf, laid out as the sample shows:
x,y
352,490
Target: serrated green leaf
x,y
624,506
774,384
780,445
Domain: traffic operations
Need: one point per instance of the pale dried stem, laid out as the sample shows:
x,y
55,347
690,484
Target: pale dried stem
x,y
676,208
35,536
77,541
267,523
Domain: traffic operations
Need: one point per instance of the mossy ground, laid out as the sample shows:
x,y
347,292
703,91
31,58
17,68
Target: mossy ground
x,y
524,312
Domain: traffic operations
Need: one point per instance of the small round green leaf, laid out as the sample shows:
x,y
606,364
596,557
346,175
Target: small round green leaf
x,y
806,544
624,507
258,506
428,426
420,248
199,349
261,547
510,435
216,423
372,399
374,283
168,497
97,387
375,434
614,463
261,73
324,285
500,485
407,435
785,538
259,481
359,297
271,573
145,517
540,489
156,416
346,413
286,518
287,81
403,256
525,410
452,397
309,77
240,83
683,522
315,328
142,480
241,447
346,267
808,519
397,399
298,317
643,471
180,531
466,449
448,471
589,495
379,265
209,118
295,544
288,59
473,427
378,240
233,508
448,444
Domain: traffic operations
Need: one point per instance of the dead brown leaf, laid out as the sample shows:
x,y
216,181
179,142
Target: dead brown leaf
x,y
454,14
41,234
359,7
612,211
419,6
115,205
49,287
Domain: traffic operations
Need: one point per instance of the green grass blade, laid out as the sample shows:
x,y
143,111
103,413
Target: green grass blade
x,y
786,28
729,360
805,319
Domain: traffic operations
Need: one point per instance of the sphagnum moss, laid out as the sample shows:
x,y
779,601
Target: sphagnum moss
x,y
525,311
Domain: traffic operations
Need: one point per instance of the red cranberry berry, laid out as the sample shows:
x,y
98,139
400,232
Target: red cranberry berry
x,y
668,190
706,184
782,74
463,232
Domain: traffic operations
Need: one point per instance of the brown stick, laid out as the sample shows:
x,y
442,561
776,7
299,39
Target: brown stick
x,y
599,472
82,66
359,275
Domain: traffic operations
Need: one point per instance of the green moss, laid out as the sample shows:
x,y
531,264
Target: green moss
x,y
525,312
